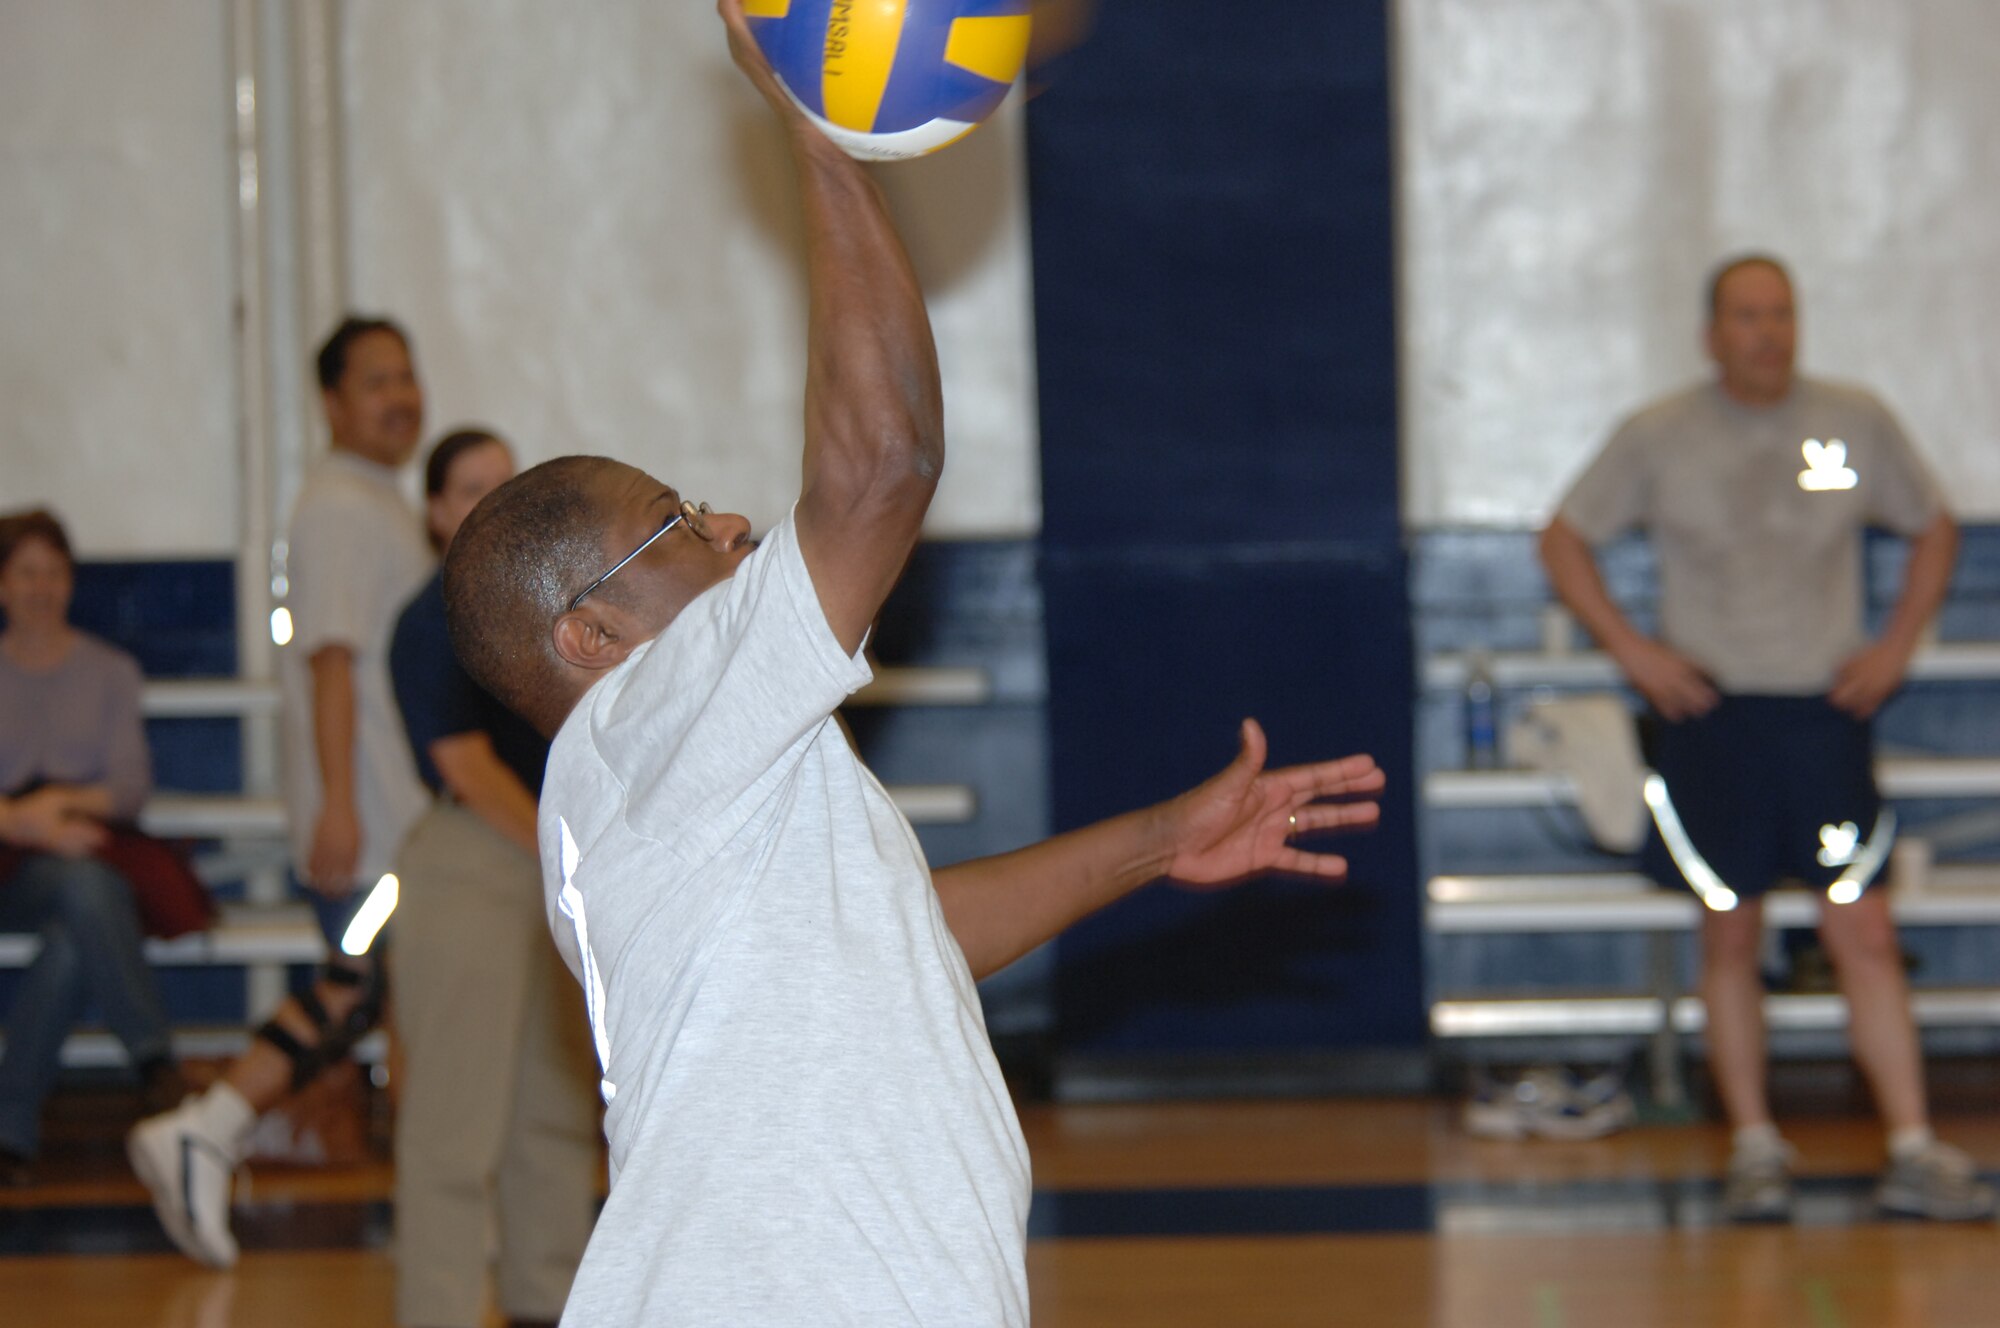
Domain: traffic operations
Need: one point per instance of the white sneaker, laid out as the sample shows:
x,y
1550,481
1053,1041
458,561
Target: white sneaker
x,y
189,1175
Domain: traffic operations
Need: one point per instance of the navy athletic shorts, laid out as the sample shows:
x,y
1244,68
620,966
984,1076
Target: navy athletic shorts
x,y
1768,788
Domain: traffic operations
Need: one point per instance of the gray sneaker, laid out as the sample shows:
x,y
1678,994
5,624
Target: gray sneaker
x,y
1938,1183
1548,1102
1759,1188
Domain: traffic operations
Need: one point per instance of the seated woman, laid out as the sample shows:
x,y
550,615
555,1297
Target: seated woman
x,y
72,760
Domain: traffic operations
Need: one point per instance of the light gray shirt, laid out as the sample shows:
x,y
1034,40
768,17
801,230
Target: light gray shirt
x,y
77,723
1756,516
357,556
807,1124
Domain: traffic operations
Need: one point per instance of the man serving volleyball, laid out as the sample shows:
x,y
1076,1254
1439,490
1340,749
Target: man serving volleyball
x,y
806,1121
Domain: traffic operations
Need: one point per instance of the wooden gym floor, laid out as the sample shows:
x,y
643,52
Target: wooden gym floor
x,y
1376,1213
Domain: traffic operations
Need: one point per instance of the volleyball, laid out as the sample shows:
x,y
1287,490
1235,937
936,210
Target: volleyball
x,y
893,79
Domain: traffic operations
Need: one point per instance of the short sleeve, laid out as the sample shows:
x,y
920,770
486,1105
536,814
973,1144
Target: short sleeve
x,y
128,765
334,565
1612,494
724,699
1899,489
438,699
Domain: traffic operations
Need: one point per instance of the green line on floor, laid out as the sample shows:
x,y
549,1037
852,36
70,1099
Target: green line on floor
x,y
1548,1306
1822,1305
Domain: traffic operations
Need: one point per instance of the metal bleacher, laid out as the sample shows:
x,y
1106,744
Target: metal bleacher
x,y
1651,1004
240,835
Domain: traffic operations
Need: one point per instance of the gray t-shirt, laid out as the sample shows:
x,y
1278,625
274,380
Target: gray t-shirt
x,y
807,1124
78,723
1756,516
357,556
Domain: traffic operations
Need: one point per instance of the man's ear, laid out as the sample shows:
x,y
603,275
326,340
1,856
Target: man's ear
x,y
589,639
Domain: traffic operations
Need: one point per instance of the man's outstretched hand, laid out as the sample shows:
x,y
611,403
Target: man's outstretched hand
x,y
1242,822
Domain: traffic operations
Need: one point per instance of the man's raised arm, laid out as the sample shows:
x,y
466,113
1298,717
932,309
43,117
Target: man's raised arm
x,y
874,417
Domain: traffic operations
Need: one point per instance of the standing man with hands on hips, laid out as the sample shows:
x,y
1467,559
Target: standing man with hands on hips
x,y
1755,488
357,553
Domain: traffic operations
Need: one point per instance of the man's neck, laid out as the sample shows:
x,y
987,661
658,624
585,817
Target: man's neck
x,y
1753,398
350,453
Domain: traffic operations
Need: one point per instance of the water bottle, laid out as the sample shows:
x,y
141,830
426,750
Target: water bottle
x,y
1482,740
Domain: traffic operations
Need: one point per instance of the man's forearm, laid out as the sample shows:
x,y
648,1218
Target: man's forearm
x,y
873,394
1926,579
333,724
874,418
1000,908
1572,571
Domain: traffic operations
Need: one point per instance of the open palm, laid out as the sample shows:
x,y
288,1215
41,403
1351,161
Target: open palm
x,y
1242,822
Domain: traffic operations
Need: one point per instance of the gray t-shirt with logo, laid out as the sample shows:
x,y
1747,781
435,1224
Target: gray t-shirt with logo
x,y
1756,516
807,1124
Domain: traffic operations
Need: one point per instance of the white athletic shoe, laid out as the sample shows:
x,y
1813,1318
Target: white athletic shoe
x,y
189,1175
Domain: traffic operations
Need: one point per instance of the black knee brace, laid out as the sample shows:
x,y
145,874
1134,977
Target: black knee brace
x,y
335,1040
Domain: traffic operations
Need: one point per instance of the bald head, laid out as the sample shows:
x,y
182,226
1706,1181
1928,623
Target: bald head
x,y
513,567
1719,278
1752,329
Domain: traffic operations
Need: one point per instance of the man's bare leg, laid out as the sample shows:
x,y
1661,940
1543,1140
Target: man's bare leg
x,y
1861,939
263,1074
1924,1178
1733,993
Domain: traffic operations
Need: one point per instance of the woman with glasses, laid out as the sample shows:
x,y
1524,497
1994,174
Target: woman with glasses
x,y
73,763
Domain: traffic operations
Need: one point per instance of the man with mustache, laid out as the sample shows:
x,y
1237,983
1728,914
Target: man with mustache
x,y
356,554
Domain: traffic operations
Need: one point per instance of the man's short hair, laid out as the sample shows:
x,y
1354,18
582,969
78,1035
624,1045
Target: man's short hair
x,y
1729,267
332,362
512,569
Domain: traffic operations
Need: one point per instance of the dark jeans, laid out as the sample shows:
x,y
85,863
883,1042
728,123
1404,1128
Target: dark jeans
x,y
89,928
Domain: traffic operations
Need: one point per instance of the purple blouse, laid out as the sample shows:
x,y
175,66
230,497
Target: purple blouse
x,y
78,723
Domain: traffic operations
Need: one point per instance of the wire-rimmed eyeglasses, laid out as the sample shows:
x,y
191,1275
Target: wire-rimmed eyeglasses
x,y
694,514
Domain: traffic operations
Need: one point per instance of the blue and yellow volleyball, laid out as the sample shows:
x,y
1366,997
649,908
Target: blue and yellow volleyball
x,y
892,79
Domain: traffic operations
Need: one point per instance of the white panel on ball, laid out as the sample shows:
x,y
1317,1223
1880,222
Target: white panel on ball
x,y
1570,171
585,215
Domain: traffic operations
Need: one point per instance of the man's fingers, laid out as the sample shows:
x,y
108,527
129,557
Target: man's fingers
x,y
1316,817
1685,696
1348,774
1253,748
1325,866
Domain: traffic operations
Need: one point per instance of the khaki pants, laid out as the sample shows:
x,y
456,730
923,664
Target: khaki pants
x,y
497,1130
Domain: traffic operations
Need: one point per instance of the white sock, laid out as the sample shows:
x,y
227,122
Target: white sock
x,y
1909,1141
1759,1140
226,1117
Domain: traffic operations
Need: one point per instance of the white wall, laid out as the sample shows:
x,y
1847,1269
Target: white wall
x,y
1571,169
586,218
117,367
581,211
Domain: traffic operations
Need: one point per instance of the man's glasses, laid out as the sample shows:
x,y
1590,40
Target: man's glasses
x,y
695,514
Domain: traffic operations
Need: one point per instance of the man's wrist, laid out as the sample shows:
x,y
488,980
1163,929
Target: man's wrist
x,y
1902,639
1621,645
1165,835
